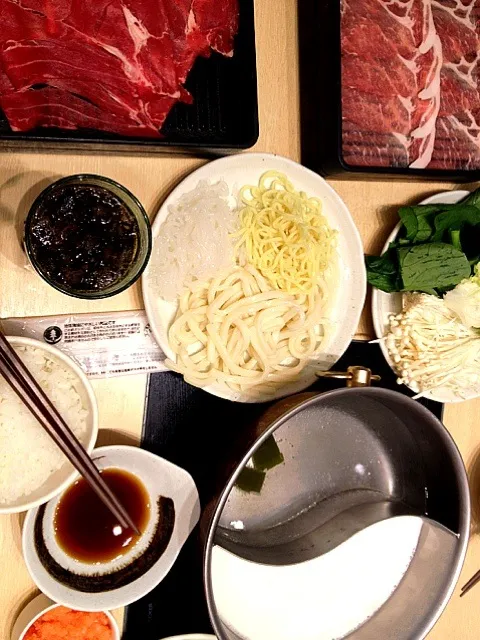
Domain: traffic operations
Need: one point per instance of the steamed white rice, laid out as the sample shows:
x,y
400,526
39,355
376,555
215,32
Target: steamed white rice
x,y
28,456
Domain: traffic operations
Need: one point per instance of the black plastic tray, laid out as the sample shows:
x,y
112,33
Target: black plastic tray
x,y
223,116
321,100
174,427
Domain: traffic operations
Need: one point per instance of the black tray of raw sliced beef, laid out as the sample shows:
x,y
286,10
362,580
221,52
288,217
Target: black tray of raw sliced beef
x,y
185,68
391,87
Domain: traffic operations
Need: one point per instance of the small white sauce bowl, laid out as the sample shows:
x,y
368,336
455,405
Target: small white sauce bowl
x,y
160,478
64,476
37,608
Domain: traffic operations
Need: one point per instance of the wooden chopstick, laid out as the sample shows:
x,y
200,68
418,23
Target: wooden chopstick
x,y
32,395
471,583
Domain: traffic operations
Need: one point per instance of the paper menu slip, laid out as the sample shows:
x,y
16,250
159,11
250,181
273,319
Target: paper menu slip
x,y
103,344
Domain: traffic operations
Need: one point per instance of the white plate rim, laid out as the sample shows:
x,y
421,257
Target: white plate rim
x,y
356,273
381,299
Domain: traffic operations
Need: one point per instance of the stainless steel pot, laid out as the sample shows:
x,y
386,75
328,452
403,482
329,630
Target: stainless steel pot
x,y
352,457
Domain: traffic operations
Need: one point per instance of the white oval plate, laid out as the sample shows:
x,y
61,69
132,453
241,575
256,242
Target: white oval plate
x,y
246,168
192,636
384,304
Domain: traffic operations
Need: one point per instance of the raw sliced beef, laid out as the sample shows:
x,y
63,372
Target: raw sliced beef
x,y
49,107
114,65
391,62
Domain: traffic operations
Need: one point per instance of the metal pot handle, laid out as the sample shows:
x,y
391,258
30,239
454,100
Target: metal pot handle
x,y
355,376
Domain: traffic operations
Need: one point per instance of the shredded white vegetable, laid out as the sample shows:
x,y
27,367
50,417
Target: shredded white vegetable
x,y
194,241
464,300
431,348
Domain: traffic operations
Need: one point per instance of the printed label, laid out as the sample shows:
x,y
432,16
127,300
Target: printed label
x,y
103,344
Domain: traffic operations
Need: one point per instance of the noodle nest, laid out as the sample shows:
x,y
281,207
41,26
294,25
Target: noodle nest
x,y
256,326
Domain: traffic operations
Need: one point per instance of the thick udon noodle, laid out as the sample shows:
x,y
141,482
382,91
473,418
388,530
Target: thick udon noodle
x,y
237,330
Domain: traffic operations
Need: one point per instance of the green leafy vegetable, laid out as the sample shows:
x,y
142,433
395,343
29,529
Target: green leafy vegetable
x,y
455,219
416,222
383,272
455,239
425,267
437,247
473,199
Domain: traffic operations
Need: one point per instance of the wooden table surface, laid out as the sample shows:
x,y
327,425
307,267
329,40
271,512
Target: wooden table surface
x,y
373,205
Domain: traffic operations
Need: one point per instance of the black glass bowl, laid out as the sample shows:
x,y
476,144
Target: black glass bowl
x,y
143,245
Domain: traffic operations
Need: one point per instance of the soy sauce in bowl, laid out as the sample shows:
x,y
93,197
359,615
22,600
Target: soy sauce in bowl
x,y
86,530
88,236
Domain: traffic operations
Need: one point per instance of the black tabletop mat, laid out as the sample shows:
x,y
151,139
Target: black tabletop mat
x,y
189,426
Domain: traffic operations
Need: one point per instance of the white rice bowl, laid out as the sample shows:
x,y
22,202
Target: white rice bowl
x,y
32,467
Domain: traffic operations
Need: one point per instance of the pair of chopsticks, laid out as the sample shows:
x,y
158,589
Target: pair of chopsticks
x,y
471,583
32,395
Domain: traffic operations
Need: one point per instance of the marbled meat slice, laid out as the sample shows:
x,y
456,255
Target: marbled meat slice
x,y
391,61
50,107
66,65
457,140
124,60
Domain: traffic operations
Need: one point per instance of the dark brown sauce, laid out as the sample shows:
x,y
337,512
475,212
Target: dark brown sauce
x,y
120,577
84,527
83,237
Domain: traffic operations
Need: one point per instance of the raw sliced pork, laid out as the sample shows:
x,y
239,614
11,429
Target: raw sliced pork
x,y
457,139
114,65
410,83
391,62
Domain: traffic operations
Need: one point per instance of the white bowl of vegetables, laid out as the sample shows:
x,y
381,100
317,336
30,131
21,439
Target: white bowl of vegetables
x,y
426,297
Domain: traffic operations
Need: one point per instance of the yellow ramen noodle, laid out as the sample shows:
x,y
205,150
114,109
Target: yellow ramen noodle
x,y
284,235
235,329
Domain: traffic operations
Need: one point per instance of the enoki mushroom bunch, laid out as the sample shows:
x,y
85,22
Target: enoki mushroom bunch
x,y
431,348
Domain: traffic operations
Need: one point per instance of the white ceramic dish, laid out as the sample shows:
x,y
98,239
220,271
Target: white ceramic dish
x,y
37,608
384,304
58,481
246,168
161,478
192,636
